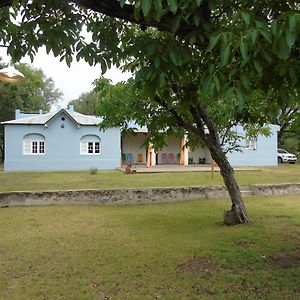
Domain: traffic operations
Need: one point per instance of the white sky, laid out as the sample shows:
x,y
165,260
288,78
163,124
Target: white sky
x,y
71,81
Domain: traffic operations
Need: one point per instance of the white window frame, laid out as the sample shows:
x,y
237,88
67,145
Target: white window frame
x,y
251,144
84,147
28,147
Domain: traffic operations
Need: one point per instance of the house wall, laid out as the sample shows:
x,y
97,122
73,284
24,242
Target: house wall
x,y
264,155
62,147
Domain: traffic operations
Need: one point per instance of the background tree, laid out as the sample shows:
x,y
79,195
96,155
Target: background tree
x,y
86,103
36,92
189,57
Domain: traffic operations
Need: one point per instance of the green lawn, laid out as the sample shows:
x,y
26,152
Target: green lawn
x,y
165,251
24,181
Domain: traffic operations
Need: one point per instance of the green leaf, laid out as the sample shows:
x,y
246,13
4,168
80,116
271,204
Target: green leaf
x,y
241,98
282,49
245,81
173,58
151,48
217,83
266,35
213,40
290,37
274,28
192,39
172,5
122,3
146,6
253,35
175,24
162,80
198,2
197,20
258,66
293,23
246,17
244,50
103,66
156,62
225,54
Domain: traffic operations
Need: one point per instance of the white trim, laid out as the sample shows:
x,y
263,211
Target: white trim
x,y
84,147
28,147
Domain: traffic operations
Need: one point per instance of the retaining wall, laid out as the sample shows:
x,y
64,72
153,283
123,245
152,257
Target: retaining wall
x,y
137,196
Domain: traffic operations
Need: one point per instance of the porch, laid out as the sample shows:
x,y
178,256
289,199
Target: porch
x,y
174,153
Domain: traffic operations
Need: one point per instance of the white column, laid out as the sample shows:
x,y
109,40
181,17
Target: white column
x,y
186,151
153,157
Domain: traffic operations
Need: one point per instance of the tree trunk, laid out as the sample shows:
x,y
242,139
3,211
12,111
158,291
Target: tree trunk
x,y
238,213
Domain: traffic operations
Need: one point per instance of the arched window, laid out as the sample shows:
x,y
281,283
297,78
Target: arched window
x,y
90,145
34,144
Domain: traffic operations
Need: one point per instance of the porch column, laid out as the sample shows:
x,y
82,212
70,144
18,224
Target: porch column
x,y
184,154
186,151
148,161
153,156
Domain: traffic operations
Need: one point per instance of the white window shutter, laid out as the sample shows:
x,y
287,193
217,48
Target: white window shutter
x,y
83,147
26,147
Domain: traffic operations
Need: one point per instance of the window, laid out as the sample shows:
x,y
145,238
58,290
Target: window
x,y
251,144
33,147
90,145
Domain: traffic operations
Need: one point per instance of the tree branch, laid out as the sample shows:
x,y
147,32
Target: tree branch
x,y
113,9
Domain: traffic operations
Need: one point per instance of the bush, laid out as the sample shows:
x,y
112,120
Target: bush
x,y
93,171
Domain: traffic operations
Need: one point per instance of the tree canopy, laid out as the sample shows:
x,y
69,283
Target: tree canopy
x,y
197,63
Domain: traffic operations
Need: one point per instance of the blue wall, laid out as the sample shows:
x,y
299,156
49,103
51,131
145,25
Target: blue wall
x,y
264,155
62,147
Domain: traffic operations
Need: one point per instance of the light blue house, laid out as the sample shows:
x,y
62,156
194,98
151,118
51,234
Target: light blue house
x,y
67,140
60,140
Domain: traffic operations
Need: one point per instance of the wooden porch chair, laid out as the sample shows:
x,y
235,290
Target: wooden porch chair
x,y
130,158
164,158
171,158
140,158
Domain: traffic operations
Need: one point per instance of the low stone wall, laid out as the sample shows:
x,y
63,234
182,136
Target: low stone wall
x,y
137,196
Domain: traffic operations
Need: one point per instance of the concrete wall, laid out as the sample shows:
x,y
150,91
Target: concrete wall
x,y
62,147
138,196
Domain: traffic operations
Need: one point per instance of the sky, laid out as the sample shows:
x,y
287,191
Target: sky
x,y
71,81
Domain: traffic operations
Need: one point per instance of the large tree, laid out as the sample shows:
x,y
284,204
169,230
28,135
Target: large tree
x,y
196,60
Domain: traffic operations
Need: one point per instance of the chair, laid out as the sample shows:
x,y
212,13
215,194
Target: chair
x,y
124,157
140,158
191,160
130,158
171,158
178,157
164,158
202,161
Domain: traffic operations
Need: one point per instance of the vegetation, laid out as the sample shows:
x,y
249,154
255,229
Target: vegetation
x,y
33,181
166,251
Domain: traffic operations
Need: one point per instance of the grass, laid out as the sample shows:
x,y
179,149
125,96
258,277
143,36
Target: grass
x,y
166,251
26,181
